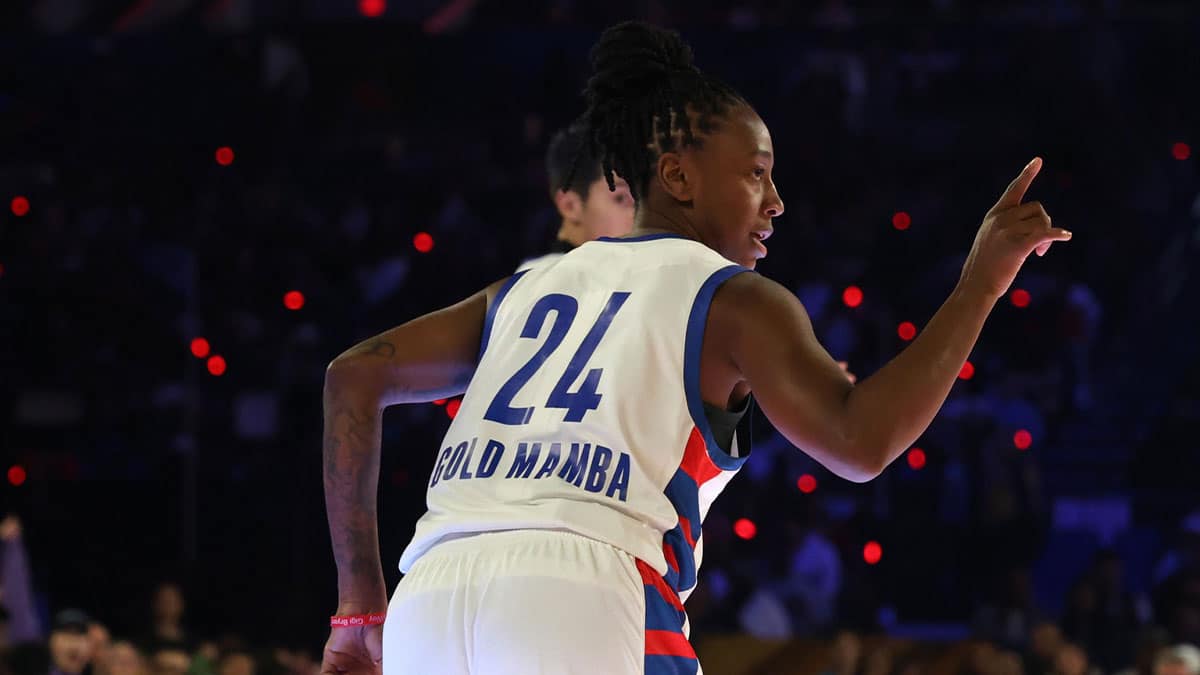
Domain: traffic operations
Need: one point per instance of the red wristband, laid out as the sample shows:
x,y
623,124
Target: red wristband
x,y
353,620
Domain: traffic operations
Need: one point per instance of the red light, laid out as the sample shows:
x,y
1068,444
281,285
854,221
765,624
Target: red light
x,y
1022,439
452,408
224,155
216,365
16,475
807,484
906,330
745,528
440,401
852,296
20,206
916,459
967,372
872,552
1019,297
293,300
423,242
901,221
200,347
1181,151
372,8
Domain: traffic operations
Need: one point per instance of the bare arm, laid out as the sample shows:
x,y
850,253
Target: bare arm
x,y
853,430
430,357
857,430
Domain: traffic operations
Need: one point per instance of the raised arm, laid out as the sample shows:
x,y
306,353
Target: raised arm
x,y
427,358
857,430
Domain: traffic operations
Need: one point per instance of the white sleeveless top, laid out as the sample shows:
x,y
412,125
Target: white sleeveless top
x,y
584,412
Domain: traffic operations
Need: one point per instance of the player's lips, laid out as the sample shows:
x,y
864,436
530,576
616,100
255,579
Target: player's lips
x,y
759,236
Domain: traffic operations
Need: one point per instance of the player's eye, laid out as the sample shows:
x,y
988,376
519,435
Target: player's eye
x,y
759,172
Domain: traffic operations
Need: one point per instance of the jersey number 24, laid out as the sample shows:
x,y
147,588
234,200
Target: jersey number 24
x,y
576,403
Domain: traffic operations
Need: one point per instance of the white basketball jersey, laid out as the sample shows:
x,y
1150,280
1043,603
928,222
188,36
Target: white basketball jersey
x,y
540,261
585,414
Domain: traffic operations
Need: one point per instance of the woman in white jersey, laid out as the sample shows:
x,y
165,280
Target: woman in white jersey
x,y
563,529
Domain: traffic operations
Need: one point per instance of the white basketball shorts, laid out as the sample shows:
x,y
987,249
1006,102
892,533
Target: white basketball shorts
x,y
534,602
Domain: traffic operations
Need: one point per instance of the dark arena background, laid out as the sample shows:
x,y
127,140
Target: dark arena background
x,y
205,201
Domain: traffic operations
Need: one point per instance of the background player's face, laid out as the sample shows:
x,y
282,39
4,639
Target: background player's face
x,y
734,197
606,213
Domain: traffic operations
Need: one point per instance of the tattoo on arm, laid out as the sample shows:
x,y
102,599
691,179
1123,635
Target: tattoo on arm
x,y
351,476
377,347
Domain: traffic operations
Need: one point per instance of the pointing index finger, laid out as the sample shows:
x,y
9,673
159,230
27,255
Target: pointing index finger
x,y
1016,189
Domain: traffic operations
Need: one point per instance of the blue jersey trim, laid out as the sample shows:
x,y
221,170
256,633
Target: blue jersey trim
x,y
644,237
491,312
691,365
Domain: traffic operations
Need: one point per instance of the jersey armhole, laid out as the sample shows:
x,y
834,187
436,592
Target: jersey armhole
x,y
490,317
693,342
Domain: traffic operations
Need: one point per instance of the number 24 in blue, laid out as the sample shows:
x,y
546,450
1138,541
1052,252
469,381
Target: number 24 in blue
x,y
577,403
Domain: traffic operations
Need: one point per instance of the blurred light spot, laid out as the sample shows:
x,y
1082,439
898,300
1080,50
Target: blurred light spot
x,y
1019,297
916,459
200,347
745,528
20,206
807,483
872,552
16,475
216,365
852,296
423,242
372,8
1022,439
224,156
901,221
906,330
293,300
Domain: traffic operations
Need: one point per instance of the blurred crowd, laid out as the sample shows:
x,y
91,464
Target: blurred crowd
x,y
343,142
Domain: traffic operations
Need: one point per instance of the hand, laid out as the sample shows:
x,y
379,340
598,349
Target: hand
x,y
1009,233
355,650
846,369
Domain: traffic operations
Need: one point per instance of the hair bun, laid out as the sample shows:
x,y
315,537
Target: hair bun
x,y
634,57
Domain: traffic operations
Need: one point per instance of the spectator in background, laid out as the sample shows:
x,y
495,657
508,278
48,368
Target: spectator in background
x,y
170,659
1178,660
236,663
1072,660
1045,640
814,576
122,658
70,648
16,584
168,608
1102,615
845,655
99,642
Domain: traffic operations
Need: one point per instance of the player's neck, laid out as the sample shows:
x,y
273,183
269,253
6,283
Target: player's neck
x,y
651,219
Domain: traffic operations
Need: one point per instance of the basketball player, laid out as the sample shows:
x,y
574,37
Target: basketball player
x,y
587,207
565,504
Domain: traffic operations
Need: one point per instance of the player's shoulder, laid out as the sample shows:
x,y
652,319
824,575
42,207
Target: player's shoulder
x,y
752,298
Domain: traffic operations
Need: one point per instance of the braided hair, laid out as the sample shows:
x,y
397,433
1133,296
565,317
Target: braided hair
x,y
639,97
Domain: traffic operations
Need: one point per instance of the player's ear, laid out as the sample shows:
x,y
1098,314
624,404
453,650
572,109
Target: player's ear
x,y
673,177
569,205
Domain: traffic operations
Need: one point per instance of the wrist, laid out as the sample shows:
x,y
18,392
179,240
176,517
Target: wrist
x,y
976,294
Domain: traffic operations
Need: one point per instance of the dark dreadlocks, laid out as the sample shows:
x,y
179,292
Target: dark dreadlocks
x,y
642,88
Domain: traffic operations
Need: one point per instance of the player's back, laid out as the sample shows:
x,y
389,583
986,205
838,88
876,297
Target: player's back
x,y
585,413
